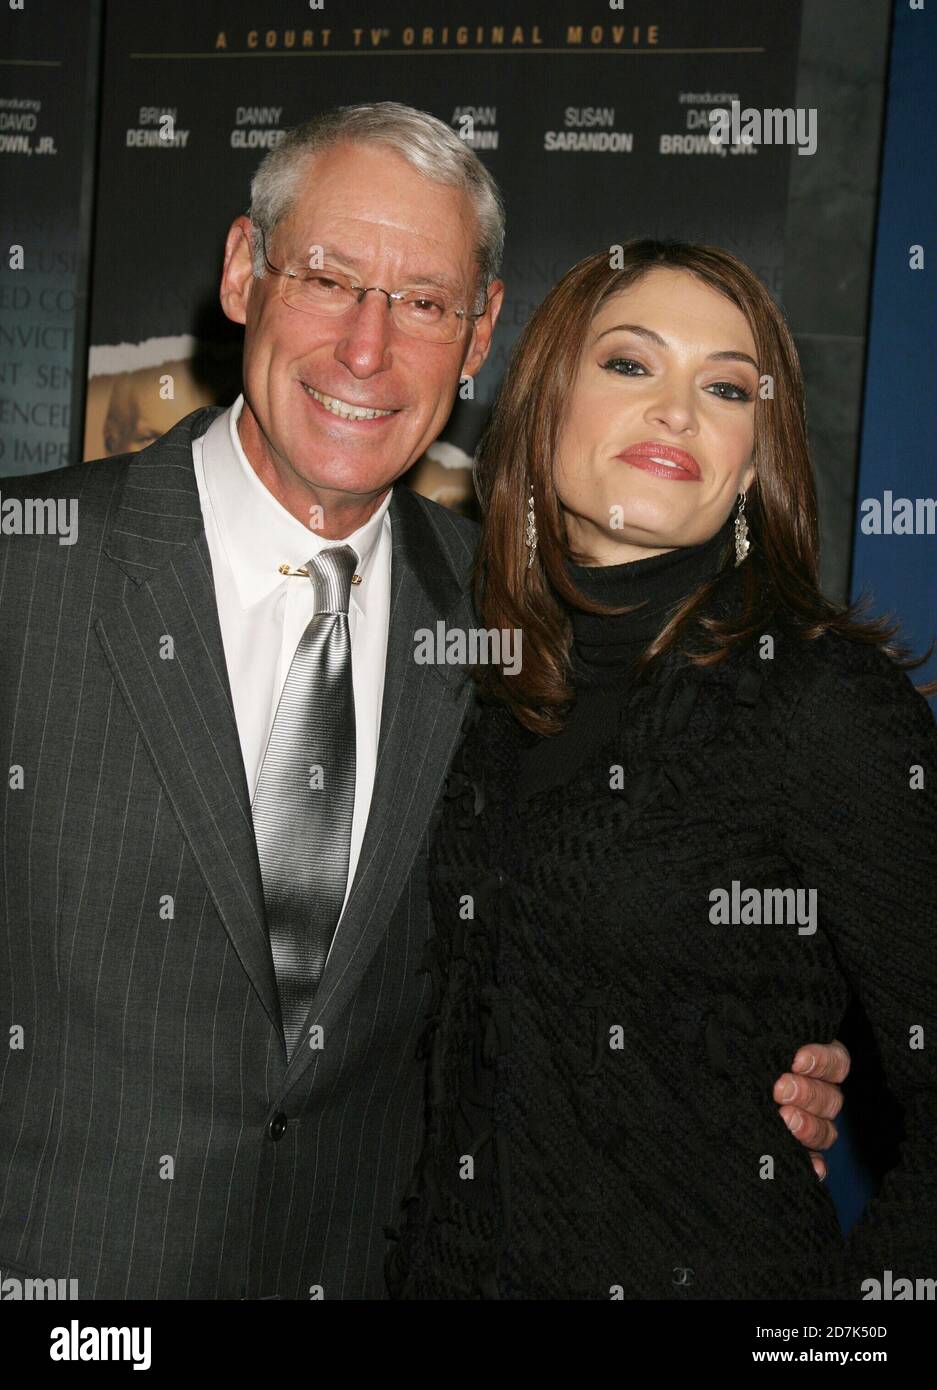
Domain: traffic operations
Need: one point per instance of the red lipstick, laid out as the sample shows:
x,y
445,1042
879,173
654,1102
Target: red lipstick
x,y
663,460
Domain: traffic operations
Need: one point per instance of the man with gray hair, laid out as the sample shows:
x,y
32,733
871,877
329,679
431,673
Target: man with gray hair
x,y
224,762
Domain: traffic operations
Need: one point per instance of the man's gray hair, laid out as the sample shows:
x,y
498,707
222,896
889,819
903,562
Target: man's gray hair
x,y
432,147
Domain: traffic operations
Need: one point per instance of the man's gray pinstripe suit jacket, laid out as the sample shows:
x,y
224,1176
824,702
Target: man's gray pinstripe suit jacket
x,y
154,1142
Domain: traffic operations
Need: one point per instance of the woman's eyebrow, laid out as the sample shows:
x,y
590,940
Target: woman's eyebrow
x,y
635,328
728,355
731,355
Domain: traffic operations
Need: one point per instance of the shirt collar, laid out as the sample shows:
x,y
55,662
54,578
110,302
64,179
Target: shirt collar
x,y
257,532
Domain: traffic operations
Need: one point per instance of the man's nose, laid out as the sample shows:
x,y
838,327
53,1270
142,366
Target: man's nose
x,y
364,335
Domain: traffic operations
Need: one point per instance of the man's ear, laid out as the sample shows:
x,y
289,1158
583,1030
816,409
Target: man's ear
x,y
237,276
483,328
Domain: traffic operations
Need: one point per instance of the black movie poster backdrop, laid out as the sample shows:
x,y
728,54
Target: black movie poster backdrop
x,y
594,119
48,52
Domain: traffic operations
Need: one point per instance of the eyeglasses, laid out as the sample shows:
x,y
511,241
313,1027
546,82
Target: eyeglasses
x,y
420,313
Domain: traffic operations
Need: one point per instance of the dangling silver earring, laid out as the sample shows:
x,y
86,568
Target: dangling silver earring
x,y
530,534
742,543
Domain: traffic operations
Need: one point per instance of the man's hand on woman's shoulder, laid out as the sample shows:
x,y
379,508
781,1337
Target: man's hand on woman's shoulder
x,y
810,1098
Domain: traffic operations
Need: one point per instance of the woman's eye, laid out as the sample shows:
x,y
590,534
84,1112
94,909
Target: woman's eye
x,y
724,390
614,363
729,391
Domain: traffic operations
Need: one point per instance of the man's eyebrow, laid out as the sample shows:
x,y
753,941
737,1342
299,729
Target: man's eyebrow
x,y
433,278
728,355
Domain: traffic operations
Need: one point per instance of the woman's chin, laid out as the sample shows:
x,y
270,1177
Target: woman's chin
x,y
650,527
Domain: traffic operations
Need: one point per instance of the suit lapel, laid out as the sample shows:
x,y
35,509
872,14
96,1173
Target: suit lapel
x,y
185,712
421,717
182,701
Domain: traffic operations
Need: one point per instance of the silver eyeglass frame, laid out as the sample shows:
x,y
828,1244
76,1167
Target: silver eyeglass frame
x,y
361,290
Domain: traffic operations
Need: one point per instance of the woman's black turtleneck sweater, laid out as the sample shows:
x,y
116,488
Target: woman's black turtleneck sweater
x,y
637,922
605,646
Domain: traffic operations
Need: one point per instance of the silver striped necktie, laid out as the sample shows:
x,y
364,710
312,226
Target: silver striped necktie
x,y
305,796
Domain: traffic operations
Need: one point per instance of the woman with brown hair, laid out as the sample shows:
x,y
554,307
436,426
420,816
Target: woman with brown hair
x,y
698,820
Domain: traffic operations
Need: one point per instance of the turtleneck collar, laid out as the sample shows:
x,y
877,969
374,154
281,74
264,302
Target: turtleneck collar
x,y
605,644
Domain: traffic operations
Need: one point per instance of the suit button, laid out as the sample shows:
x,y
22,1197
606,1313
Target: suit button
x,y
277,1126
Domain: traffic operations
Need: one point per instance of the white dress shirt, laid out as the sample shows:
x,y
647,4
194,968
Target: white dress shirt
x,y
263,613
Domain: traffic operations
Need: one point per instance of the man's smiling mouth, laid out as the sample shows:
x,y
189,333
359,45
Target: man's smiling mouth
x,y
336,406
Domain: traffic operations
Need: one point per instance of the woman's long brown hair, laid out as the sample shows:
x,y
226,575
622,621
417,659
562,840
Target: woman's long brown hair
x,y
515,458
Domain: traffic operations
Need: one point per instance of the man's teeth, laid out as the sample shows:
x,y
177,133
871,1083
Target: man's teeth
x,y
342,408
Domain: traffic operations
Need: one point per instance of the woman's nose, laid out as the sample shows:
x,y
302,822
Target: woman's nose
x,y
673,405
